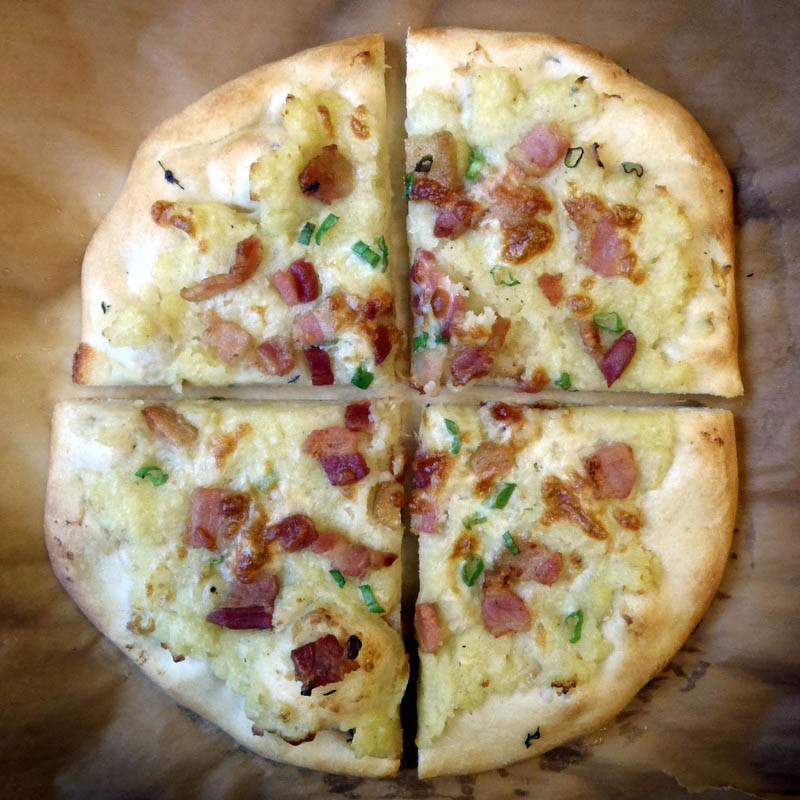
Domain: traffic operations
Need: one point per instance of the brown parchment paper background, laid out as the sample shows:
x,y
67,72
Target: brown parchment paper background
x,y
80,85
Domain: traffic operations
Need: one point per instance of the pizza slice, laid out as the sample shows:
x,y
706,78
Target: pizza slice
x,y
568,226
565,555
249,243
246,557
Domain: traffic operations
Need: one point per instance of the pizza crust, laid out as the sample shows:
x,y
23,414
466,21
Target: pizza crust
x,y
690,525
644,121
92,572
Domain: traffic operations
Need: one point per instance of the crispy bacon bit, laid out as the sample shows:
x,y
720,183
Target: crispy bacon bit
x,y
580,305
319,364
590,336
344,470
457,215
430,469
293,533
444,167
328,176
425,189
424,515
229,340
381,343
490,462
612,470
429,473
551,287
163,215
249,606
170,426
248,258
535,562
428,628
504,612
470,362
627,519
562,503
386,503
516,202
308,329
324,661
523,242
536,383
505,412
351,559
80,363
357,417
214,515
274,356
616,360
544,146
320,325
298,283
497,335
332,441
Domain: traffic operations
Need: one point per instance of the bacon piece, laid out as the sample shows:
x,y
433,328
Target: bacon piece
x,y
170,426
444,167
344,470
522,242
516,202
428,366
616,360
456,215
248,258
504,612
505,412
249,606
381,343
609,254
319,364
309,329
357,417
456,308
328,176
229,340
324,661
332,441
387,502
536,383
293,533
298,283
561,503
544,146
429,475
353,560
551,287
163,214
424,515
490,461
425,189
590,336
470,362
252,550
535,562
274,356
430,469
429,630
214,514
612,470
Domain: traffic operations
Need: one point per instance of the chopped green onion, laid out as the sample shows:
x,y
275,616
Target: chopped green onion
x,y
330,343
424,164
267,481
564,381
632,166
384,251
453,430
575,624
510,544
156,474
369,599
502,275
216,560
439,339
420,341
337,576
326,225
471,570
362,377
473,519
573,157
502,495
408,182
609,322
306,232
476,161
367,253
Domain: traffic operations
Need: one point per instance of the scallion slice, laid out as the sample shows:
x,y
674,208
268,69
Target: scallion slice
x,y
215,561
326,225
510,544
575,624
420,341
472,520
439,339
362,377
267,481
337,576
306,233
609,322
156,474
502,275
455,432
369,599
365,252
474,164
633,166
564,381
408,182
502,495
573,157
383,249
424,164
471,570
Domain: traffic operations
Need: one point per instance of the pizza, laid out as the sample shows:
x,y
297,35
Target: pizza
x,y
565,555
568,226
246,556
249,244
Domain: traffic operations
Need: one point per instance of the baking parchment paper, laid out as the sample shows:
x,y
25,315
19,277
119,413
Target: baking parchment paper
x,y
81,84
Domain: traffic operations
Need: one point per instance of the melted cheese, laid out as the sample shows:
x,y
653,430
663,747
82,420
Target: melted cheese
x,y
173,588
471,664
